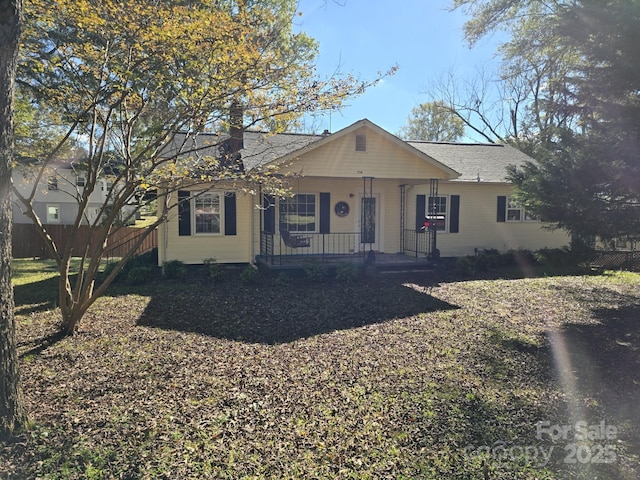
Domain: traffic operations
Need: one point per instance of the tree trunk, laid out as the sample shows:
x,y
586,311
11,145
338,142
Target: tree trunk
x,y
12,412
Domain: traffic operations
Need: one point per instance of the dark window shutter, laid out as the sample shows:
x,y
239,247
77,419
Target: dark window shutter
x,y
325,212
454,216
230,214
502,209
269,213
184,213
421,210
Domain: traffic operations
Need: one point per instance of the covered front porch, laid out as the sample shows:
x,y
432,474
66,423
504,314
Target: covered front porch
x,y
309,227
297,251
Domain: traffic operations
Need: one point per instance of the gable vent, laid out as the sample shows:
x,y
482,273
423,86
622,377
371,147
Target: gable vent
x,y
361,143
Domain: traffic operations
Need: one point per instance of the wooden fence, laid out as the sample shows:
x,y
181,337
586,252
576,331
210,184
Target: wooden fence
x,y
620,259
27,243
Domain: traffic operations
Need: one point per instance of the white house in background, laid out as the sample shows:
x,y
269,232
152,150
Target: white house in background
x,y
357,191
55,201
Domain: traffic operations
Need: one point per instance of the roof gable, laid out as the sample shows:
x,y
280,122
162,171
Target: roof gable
x,y
385,156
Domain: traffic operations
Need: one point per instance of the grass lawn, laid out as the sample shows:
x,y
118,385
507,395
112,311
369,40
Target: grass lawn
x,y
388,377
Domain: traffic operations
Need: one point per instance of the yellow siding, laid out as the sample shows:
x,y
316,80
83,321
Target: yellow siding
x,y
195,248
338,168
479,228
382,159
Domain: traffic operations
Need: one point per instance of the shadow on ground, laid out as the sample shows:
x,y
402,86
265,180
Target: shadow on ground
x,y
272,313
598,368
36,297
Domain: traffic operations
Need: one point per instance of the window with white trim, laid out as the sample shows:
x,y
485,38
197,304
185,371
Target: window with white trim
x,y
80,181
207,213
53,213
52,183
298,213
437,212
516,213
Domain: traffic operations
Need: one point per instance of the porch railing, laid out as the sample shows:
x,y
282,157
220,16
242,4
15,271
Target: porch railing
x,y
417,243
320,245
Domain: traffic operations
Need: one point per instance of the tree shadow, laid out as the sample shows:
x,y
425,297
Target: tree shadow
x,y
37,297
596,365
604,359
39,345
274,314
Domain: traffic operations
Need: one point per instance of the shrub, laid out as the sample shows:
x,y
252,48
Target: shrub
x,y
282,279
317,272
138,275
213,269
108,269
250,275
174,270
465,266
520,257
149,258
346,272
554,257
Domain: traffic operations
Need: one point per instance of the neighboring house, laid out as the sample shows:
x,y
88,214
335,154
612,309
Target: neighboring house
x,y
357,191
55,201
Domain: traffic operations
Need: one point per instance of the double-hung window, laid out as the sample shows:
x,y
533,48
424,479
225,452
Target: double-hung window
x,y
437,212
514,211
53,213
207,213
298,213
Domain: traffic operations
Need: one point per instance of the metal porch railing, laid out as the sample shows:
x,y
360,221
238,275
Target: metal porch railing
x,y
417,243
322,246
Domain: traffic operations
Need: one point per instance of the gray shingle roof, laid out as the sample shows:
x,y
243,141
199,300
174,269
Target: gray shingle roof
x,y
475,162
259,148
485,161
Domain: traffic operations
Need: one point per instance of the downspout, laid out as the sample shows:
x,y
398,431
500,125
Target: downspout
x,y
403,213
252,243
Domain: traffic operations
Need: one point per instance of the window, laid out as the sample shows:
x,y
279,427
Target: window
x,y
80,181
361,143
52,183
53,213
207,213
514,211
298,214
437,212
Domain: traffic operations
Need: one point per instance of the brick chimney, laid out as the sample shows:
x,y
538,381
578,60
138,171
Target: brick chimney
x,y
236,128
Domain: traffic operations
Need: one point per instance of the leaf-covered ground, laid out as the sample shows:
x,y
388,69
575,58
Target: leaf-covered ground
x,y
387,377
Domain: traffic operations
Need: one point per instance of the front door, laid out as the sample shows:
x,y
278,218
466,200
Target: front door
x,y
369,223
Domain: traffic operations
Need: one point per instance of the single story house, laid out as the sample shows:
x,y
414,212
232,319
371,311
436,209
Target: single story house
x,y
359,193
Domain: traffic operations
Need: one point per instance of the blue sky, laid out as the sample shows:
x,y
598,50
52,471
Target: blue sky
x,y
364,37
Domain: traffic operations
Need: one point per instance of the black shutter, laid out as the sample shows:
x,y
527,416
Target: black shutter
x,y
230,214
421,210
184,213
269,214
325,212
454,217
501,215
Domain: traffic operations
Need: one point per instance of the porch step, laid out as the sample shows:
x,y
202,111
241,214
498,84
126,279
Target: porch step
x,y
405,268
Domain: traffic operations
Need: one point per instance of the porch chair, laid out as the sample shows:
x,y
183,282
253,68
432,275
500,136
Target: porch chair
x,y
294,241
